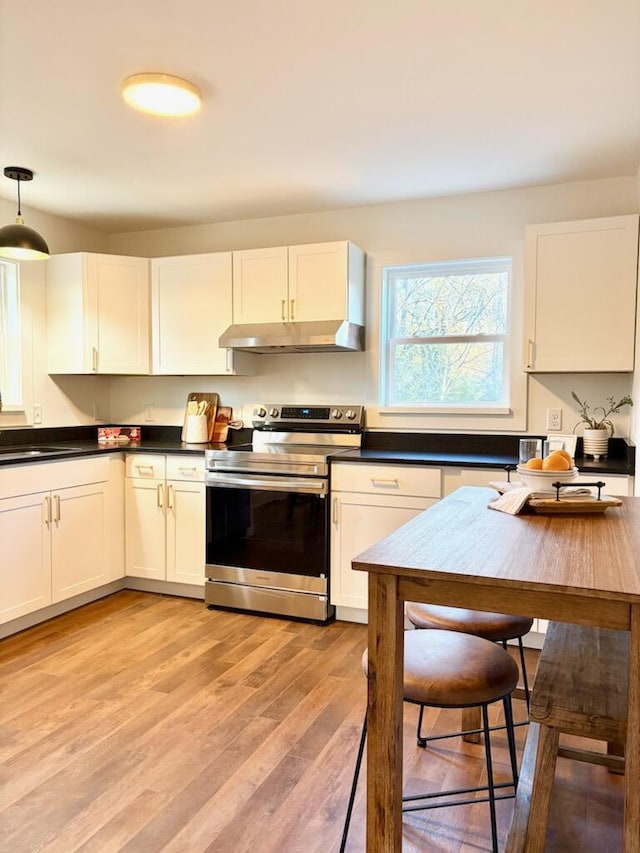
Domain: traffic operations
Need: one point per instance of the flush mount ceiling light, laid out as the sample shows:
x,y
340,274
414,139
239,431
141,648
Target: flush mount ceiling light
x,y
17,241
161,94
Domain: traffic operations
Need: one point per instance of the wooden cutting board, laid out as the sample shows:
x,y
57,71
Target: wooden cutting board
x,y
212,399
221,425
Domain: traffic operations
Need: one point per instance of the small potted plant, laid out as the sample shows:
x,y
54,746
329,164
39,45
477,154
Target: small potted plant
x,y
598,426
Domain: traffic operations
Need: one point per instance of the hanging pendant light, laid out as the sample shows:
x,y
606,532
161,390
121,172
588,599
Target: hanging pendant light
x,y
18,241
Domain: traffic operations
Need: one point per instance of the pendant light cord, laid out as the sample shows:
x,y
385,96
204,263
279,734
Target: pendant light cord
x,y
19,204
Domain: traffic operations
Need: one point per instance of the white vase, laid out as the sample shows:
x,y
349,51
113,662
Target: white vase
x,y
595,442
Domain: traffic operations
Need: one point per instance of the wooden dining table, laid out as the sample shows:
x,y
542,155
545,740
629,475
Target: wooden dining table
x,y
582,568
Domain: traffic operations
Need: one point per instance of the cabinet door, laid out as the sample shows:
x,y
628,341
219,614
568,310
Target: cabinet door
x,y
581,294
359,521
185,532
145,528
191,302
78,537
260,281
614,484
121,292
25,575
318,282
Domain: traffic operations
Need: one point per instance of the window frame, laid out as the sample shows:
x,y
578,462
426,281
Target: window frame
x,y
30,282
461,266
11,338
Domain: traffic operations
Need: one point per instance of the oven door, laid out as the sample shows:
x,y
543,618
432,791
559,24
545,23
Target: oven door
x,y
274,524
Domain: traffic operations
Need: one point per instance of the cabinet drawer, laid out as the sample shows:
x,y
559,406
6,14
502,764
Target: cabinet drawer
x,y
416,480
147,466
185,468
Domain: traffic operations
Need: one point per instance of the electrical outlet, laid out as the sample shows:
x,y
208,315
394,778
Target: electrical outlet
x,y
96,412
37,413
149,414
554,419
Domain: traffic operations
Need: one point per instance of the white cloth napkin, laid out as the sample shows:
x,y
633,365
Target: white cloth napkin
x,y
512,500
516,495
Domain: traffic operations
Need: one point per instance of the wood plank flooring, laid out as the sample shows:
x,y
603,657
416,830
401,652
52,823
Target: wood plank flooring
x,y
146,723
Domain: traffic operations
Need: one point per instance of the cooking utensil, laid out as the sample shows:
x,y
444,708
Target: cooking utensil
x,y
201,403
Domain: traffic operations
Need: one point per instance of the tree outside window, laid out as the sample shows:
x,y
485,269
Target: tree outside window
x,y
446,334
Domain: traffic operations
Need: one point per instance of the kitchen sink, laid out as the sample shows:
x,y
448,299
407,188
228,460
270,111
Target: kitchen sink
x,y
34,451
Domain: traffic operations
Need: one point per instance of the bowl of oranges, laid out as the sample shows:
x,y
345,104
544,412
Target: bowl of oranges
x,y
540,474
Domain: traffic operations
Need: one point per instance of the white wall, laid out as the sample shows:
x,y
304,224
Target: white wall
x,y
432,229
457,226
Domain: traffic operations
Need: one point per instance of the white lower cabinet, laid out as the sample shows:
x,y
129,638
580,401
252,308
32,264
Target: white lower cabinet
x,y
165,518
25,578
78,535
53,541
368,502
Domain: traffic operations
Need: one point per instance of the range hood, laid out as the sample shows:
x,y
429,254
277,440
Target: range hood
x,y
310,336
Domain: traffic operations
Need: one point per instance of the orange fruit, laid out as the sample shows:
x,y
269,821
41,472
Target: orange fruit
x,y
565,454
535,463
556,461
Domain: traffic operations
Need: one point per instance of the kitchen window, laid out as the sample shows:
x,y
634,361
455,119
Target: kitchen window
x,y
11,385
445,336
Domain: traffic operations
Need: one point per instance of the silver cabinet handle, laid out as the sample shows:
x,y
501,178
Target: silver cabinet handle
x,y
170,497
282,309
144,468
186,470
94,359
293,311
530,351
228,366
57,516
46,510
335,510
391,483
159,495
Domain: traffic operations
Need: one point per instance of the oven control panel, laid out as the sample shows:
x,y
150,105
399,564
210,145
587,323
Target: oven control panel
x,y
276,416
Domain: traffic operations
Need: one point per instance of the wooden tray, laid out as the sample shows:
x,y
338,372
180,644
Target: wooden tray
x,y
212,399
572,505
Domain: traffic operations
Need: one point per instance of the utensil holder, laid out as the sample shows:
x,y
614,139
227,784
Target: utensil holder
x,y
197,429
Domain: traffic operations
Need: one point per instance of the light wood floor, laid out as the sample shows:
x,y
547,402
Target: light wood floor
x,y
146,723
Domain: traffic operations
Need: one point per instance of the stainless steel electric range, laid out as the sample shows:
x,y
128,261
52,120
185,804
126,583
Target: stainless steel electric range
x,y
267,547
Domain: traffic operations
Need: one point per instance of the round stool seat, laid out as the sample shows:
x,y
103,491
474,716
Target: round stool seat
x,y
491,626
446,669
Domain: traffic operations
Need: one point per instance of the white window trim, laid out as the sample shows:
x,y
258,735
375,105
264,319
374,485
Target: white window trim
x,y
29,274
409,419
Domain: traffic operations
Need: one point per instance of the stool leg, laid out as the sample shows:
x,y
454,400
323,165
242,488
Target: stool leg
x,y
354,785
492,793
508,718
420,740
523,667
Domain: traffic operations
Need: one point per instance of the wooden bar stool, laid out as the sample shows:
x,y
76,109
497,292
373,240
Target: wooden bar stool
x,y
497,627
446,669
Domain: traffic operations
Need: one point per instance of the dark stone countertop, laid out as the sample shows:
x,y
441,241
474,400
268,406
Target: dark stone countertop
x,y
436,449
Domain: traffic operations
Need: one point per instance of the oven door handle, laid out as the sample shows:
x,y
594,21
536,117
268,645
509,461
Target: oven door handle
x,y
302,485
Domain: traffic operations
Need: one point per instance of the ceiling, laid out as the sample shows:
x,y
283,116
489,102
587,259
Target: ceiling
x,y
312,105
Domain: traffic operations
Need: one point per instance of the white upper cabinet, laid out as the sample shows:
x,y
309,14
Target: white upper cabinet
x,y
260,285
581,295
318,281
98,314
191,299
